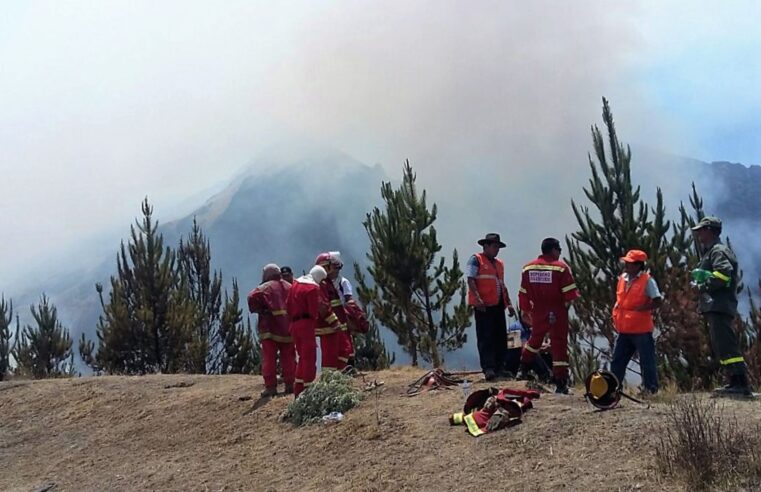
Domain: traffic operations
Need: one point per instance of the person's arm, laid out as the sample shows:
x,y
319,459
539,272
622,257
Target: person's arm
x,y
655,298
568,287
471,271
721,273
510,308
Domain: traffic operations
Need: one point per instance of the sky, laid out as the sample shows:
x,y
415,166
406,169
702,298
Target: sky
x,y
104,103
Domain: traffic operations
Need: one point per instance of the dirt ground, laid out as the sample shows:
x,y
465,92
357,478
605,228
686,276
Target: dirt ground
x,y
182,432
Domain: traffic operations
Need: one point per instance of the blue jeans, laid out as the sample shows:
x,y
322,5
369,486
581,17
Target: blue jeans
x,y
644,345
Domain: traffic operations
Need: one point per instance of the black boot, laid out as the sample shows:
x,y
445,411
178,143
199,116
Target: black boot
x,y
561,387
524,374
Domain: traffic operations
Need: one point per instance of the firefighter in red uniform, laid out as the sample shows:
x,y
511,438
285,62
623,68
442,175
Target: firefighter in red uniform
x,y
268,301
305,305
335,339
547,289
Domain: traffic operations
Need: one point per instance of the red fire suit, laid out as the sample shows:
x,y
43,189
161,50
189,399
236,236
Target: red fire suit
x,y
330,326
494,410
547,286
304,305
268,301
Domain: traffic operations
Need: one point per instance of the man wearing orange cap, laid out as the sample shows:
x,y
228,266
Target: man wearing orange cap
x,y
637,295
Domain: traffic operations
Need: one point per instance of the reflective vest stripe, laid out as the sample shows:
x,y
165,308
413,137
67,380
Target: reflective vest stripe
x,y
733,360
522,290
721,276
325,331
336,302
559,363
331,319
472,426
457,418
279,312
486,276
568,288
554,268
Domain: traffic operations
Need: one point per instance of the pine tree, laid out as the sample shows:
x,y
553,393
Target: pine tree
x,y
239,353
370,352
6,317
623,221
145,325
412,293
204,288
44,350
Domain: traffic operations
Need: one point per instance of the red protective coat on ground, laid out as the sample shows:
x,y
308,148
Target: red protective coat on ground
x,y
513,403
304,305
547,285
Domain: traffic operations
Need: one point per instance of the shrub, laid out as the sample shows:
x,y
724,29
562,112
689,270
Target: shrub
x,y
333,392
705,446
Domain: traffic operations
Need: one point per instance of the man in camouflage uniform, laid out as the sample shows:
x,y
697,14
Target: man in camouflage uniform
x,y
718,304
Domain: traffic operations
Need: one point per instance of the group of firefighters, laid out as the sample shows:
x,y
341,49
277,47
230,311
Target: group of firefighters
x,y
293,313
547,290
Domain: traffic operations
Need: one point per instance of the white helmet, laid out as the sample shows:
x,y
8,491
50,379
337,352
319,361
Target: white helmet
x,y
318,273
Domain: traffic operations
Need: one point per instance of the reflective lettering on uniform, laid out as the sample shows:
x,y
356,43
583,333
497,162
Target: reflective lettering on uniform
x,y
540,277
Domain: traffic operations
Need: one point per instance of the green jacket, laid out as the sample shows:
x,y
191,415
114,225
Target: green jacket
x,y
719,293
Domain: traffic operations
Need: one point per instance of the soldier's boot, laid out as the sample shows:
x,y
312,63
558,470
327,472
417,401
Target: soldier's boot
x,y
288,389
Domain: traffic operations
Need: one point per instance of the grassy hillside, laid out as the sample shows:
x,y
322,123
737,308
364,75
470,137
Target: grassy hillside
x,y
203,433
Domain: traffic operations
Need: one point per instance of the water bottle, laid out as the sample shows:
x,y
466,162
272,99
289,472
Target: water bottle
x,y
699,276
465,389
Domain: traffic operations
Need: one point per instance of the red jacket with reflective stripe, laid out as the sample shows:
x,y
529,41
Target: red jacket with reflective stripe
x,y
490,272
332,317
268,301
625,319
304,301
546,285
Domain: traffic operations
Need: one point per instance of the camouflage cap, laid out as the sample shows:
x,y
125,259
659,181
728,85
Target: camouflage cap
x,y
708,221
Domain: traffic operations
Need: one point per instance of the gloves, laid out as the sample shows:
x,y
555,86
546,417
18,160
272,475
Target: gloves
x,y
498,419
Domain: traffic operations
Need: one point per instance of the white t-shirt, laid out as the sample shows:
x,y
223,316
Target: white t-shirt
x,y
344,288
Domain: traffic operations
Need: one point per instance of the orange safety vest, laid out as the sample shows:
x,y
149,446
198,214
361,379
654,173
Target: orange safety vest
x,y
625,319
486,281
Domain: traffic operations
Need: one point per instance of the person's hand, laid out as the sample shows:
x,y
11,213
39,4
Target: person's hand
x,y
511,311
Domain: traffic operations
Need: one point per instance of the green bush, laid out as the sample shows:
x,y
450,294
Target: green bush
x,y
333,392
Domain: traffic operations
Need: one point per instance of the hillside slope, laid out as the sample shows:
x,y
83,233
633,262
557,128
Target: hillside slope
x,y
196,433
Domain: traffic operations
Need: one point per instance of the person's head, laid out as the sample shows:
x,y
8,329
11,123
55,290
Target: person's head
x,y
318,273
287,274
551,248
708,230
331,262
270,272
491,244
634,261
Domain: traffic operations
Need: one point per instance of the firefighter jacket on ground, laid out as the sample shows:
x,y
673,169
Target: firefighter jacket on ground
x,y
718,294
626,318
268,301
492,409
490,282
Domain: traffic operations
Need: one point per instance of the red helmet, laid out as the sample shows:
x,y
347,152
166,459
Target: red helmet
x,y
332,258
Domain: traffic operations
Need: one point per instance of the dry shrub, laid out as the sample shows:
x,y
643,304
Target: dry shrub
x,y
706,447
333,392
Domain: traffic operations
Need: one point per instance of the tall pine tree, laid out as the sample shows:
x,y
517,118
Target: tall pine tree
x,y
43,350
414,295
145,325
204,288
621,220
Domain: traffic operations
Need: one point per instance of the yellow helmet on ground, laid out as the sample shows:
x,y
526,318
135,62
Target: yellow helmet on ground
x,y
603,389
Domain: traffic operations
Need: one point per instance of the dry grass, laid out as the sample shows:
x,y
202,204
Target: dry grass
x,y
705,446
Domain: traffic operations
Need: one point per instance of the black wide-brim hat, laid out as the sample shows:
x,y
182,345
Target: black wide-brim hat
x,y
492,237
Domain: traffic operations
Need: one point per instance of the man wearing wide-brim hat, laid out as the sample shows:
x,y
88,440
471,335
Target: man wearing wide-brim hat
x,y
718,303
488,295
